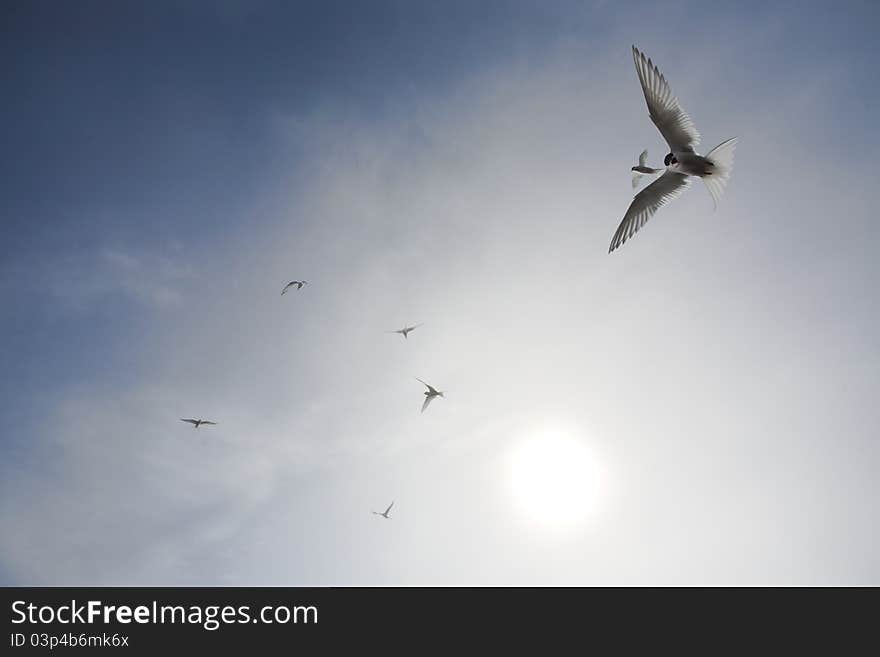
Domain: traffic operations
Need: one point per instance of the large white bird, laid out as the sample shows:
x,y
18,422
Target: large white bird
x,y
681,162
298,284
405,330
196,423
384,514
430,393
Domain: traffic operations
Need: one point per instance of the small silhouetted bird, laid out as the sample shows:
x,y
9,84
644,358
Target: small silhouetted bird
x,y
405,330
298,284
430,393
384,514
196,423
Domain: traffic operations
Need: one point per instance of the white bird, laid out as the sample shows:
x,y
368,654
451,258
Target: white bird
x,y
682,160
405,330
298,284
384,514
196,423
430,393
642,169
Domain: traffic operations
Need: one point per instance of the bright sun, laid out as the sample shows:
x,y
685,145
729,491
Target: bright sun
x,y
555,479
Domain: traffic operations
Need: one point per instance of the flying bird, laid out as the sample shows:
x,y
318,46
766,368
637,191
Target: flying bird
x,y
430,393
681,162
298,284
196,423
405,330
384,514
642,169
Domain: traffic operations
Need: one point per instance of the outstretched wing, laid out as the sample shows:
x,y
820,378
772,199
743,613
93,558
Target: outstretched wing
x,y
189,419
389,508
430,388
287,287
667,187
208,422
426,402
666,112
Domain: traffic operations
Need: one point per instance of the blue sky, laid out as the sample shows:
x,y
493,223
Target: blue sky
x,y
168,166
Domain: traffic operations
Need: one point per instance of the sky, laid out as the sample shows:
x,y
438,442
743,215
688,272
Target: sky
x,y
698,407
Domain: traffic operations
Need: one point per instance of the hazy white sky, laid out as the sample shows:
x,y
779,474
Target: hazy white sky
x,y
719,370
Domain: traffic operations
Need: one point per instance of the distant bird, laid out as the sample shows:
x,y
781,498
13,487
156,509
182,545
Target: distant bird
x,y
642,169
298,284
430,393
384,514
406,329
196,423
682,160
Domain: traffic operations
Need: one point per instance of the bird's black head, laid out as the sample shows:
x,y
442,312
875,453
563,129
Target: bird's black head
x,y
669,159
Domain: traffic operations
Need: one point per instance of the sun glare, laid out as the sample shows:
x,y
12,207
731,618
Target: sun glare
x,y
555,479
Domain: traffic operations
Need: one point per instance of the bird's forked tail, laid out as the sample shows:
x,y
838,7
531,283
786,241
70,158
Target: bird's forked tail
x,y
721,158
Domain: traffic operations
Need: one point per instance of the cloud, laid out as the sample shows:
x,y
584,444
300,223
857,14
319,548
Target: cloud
x,y
81,280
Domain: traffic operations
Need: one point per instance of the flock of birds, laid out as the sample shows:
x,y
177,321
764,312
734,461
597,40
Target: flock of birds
x,y
430,393
681,163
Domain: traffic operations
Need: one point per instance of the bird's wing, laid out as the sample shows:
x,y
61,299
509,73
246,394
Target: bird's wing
x,y
667,187
427,401
643,158
286,287
432,389
389,508
208,422
413,328
666,112
188,419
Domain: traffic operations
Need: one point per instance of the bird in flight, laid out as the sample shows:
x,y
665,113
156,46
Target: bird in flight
x,y
430,393
384,514
298,284
405,330
681,162
642,169
196,423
